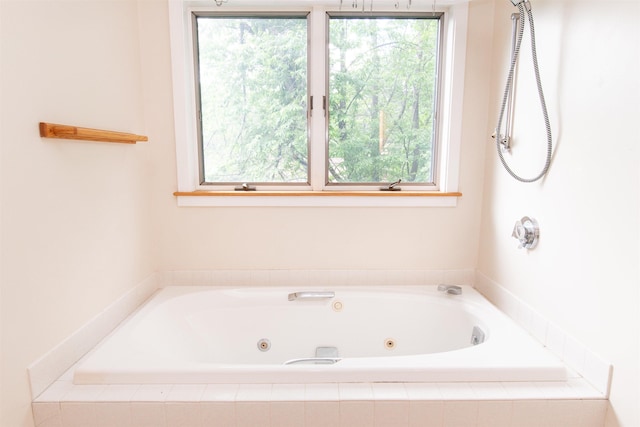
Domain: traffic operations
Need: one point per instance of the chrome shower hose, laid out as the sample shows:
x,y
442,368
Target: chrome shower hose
x,y
508,87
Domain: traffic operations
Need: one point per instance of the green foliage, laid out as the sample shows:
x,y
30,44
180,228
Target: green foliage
x,y
382,96
253,77
253,92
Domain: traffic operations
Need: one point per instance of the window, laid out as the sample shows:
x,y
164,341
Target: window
x,y
383,82
316,99
251,76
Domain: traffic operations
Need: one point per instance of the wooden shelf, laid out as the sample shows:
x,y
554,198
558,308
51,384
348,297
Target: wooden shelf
x,y
51,130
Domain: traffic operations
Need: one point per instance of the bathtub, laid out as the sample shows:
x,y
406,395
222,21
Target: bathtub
x,y
189,334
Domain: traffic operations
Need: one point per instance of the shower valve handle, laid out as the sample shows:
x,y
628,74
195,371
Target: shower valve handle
x,y
526,231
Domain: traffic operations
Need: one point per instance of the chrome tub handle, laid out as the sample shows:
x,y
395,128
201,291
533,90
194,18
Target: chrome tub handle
x,y
314,360
311,295
450,289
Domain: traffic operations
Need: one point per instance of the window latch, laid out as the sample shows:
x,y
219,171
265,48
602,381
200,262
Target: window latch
x,y
324,106
245,187
393,186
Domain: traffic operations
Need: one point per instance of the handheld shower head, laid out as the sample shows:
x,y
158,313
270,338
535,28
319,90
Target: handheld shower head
x,y
527,5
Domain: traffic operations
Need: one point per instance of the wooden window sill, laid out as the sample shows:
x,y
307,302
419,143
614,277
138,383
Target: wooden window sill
x,y
204,193
318,198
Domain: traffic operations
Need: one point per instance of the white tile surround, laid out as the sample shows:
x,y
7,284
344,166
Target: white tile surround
x,y
50,366
579,402
574,354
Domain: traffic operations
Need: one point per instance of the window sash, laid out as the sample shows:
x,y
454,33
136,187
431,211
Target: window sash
x,y
205,121
431,182
315,162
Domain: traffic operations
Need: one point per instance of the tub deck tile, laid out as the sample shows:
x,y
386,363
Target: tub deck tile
x,y
79,414
55,392
426,413
183,414
152,393
118,393
84,393
114,414
423,391
148,414
322,413
389,391
581,389
186,392
47,414
489,391
495,413
391,413
522,390
218,414
254,393
219,393
555,390
458,413
287,413
328,392
456,391
252,414
355,391
574,403
288,393
356,413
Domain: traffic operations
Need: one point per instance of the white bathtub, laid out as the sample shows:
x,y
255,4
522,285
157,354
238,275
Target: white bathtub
x,y
381,334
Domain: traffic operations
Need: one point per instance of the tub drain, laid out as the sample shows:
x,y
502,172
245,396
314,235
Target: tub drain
x,y
264,344
389,344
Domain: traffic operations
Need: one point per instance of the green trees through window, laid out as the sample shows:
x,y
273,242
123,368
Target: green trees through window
x,y
382,91
253,92
253,76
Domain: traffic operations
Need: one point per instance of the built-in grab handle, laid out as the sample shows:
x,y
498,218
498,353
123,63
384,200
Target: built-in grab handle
x,y
313,361
310,295
527,232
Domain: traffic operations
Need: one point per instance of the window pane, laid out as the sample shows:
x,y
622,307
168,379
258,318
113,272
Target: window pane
x,y
253,91
382,89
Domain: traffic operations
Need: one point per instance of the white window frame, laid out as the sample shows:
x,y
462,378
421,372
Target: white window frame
x,y
190,192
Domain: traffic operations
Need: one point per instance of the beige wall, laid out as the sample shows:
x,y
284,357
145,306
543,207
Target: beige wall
x,y
75,231
331,238
83,222
584,274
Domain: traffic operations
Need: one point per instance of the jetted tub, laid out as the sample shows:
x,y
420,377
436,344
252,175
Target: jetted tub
x,y
191,334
